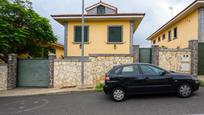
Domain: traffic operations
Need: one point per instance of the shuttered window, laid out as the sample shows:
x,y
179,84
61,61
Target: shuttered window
x,y
115,34
77,33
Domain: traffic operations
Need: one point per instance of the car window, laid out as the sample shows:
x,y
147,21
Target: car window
x,y
150,70
116,71
130,70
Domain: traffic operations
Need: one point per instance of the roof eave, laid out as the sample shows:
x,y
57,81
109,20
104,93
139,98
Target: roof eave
x,y
196,4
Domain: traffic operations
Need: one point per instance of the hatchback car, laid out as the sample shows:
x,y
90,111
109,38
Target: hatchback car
x,y
125,80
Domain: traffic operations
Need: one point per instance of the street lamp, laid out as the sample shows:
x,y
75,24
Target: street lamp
x,y
82,46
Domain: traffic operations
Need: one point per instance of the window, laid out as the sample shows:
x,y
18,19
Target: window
x,y
114,34
130,70
150,70
116,71
163,36
101,10
169,36
159,39
175,33
154,41
77,33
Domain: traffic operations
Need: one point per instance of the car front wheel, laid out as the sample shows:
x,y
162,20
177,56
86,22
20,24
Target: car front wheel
x,y
185,90
118,94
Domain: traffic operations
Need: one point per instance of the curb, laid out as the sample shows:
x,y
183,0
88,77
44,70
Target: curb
x,y
47,93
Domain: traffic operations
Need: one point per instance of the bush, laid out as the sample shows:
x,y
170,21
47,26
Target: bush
x,y
201,83
99,87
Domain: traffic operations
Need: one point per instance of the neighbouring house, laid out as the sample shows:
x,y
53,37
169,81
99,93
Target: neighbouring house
x,y
106,30
187,25
58,50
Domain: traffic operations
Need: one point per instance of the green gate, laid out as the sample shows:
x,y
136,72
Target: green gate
x,y
32,73
201,59
145,55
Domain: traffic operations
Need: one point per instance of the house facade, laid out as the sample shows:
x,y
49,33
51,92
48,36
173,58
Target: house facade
x,y
187,25
58,50
106,30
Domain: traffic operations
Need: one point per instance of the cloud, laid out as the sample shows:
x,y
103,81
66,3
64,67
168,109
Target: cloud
x,y
157,13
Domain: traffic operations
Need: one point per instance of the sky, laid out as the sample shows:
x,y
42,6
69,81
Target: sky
x,y
157,13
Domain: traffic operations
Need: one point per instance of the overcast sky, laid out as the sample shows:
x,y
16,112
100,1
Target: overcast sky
x,y
157,13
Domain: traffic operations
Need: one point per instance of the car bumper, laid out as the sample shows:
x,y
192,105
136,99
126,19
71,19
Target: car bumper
x,y
196,87
107,90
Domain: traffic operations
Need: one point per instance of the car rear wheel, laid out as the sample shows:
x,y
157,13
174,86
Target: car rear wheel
x,y
118,94
185,90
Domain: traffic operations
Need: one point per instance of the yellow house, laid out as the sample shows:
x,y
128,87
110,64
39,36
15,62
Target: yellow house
x,y
59,50
106,30
187,25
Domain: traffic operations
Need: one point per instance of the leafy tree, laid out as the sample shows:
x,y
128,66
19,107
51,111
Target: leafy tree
x,y
22,29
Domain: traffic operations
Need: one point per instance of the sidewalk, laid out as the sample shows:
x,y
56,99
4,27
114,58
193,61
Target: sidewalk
x,y
39,91
201,77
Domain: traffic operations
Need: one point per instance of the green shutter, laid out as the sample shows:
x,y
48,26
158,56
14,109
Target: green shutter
x,y
115,34
77,34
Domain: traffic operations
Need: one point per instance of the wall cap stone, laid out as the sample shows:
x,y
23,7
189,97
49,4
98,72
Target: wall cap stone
x,y
175,50
111,55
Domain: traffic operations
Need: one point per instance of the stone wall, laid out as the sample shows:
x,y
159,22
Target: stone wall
x,y
3,76
178,60
67,72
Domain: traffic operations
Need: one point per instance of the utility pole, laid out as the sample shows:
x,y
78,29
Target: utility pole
x,y
82,46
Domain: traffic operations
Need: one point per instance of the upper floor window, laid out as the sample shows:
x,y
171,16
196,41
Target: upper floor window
x,y
115,34
163,36
159,39
77,34
101,9
175,33
169,35
154,41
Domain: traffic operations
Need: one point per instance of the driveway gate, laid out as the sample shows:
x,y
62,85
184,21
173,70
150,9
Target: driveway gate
x,y
32,73
145,55
201,59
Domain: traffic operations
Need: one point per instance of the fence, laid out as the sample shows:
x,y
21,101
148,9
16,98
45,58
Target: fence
x,y
67,72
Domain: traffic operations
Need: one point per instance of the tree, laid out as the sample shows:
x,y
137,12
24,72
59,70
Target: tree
x,y
22,29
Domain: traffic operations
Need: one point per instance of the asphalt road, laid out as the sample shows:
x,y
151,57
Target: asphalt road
x,y
96,103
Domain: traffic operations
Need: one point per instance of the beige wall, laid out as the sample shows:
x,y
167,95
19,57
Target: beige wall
x,y
67,72
3,77
98,38
187,29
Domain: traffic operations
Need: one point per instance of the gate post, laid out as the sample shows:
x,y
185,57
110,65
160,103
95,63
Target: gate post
x,y
155,55
136,50
51,58
193,45
12,70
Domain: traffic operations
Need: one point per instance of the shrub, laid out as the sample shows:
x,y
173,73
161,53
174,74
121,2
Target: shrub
x,y
201,83
99,87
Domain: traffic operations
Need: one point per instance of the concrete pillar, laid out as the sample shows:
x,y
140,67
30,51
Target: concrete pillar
x,y
136,50
131,36
65,39
51,58
155,55
193,45
201,26
12,70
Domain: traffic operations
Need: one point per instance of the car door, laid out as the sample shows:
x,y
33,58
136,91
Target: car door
x,y
157,79
133,80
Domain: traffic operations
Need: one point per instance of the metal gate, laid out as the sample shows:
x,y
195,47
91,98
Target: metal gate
x,y
32,73
145,55
201,59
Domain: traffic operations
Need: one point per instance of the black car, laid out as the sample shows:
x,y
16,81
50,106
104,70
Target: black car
x,y
146,78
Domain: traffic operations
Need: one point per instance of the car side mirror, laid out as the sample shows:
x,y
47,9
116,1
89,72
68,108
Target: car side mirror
x,y
163,73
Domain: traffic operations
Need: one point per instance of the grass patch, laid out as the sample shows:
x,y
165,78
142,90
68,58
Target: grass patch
x,y
99,87
201,83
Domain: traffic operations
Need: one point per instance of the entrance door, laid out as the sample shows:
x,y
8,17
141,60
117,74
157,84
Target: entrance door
x,y
145,55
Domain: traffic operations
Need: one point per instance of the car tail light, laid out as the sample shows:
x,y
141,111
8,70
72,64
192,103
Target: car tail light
x,y
107,78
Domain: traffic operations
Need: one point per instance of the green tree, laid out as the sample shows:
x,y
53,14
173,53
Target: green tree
x,y
22,29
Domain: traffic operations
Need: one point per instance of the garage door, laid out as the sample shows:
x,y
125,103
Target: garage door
x,y
201,58
32,73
